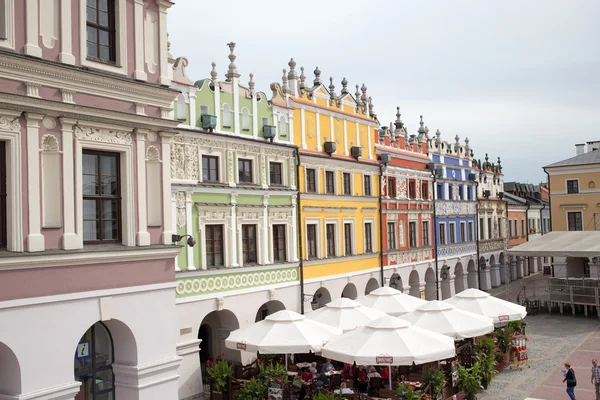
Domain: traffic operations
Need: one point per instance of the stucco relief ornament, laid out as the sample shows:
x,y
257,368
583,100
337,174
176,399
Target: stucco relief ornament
x,y
8,124
180,209
102,135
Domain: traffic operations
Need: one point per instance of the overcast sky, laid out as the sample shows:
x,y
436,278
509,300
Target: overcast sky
x,y
521,79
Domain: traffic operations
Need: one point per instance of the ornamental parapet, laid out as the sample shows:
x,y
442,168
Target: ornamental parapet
x,y
454,208
236,279
457,249
491,245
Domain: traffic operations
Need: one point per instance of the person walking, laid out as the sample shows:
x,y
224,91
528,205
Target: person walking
x,y
571,381
596,377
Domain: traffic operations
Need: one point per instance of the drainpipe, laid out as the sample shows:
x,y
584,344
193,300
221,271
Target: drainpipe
x,y
550,211
299,228
477,233
381,168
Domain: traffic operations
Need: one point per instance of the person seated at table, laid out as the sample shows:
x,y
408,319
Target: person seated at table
x,y
307,376
328,366
313,369
343,389
373,373
362,381
348,371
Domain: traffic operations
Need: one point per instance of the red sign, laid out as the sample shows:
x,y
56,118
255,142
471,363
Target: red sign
x,y
241,346
384,359
503,317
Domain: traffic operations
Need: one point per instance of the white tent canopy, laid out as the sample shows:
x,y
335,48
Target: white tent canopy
x,y
443,318
284,332
345,314
389,341
482,303
390,301
561,244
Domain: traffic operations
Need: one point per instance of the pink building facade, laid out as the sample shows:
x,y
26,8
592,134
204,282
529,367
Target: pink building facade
x,y
87,267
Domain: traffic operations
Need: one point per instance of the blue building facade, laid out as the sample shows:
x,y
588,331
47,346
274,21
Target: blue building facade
x,y
455,192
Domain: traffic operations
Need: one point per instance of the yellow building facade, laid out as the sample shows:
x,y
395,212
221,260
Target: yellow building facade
x,y
339,186
575,191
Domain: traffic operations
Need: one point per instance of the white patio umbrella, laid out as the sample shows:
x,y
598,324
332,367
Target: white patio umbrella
x,y
441,317
282,332
389,341
390,301
482,303
345,314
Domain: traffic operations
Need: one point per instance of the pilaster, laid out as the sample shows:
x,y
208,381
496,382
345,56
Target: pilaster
x,y
168,219
35,239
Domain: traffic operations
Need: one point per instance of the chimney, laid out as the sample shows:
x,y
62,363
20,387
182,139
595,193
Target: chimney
x,y
579,149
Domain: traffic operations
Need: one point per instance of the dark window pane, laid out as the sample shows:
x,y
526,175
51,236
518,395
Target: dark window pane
x,y
91,14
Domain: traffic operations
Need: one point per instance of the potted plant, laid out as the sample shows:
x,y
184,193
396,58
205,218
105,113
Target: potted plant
x,y
469,380
219,371
435,378
404,389
253,390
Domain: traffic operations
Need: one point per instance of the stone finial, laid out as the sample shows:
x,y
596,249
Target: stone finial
x,y
292,74
214,74
344,86
284,79
232,69
317,73
422,128
251,82
331,89
302,78
398,123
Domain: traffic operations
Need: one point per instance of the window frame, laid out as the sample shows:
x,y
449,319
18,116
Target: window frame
x,y
425,233
572,190
247,249
272,174
99,198
392,243
367,185
279,243
217,161
574,213
311,180
347,183
243,162
211,227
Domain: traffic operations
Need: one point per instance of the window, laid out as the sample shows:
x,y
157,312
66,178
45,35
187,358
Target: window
x,y
283,126
245,119
391,187
311,241
481,229
214,245
100,30
330,236
412,190
425,233
368,238
490,229
279,244
329,182
3,222
245,171
442,231
575,221
226,116
311,181
452,233
210,169
463,233
412,234
94,357
275,173
249,244
573,186
391,236
348,239
440,191
347,187
470,231
101,197
367,185
523,230
424,190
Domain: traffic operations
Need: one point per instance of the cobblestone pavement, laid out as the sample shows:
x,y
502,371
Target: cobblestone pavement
x,y
553,339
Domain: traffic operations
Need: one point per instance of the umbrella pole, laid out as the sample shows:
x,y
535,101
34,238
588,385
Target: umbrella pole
x,y
390,376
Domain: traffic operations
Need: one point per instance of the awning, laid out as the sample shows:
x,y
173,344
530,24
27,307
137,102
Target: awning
x,y
561,244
